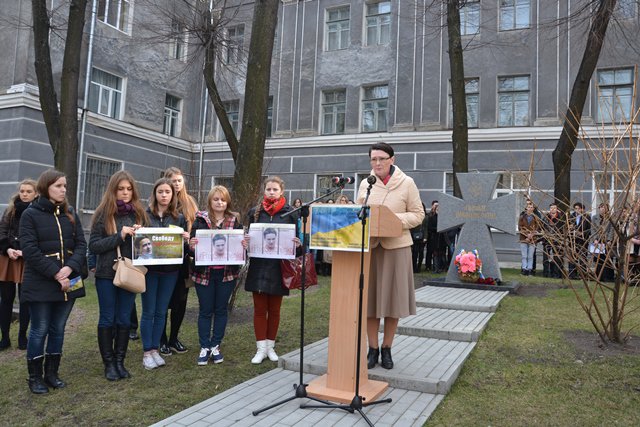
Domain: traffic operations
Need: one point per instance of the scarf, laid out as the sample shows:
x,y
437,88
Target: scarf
x,y
20,206
273,206
124,208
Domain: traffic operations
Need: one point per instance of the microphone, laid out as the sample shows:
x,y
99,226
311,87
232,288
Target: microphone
x,y
371,179
342,180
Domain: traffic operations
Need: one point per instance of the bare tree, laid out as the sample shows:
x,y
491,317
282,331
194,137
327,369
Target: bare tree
x,y
61,122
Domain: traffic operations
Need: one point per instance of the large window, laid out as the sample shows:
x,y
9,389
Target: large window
x,y
323,185
472,94
233,114
514,14
470,18
98,172
513,101
337,28
115,13
615,95
270,117
105,93
333,111
171,115
378,23
235,44
177,44
374,108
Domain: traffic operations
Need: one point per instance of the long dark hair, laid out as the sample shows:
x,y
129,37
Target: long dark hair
x,y
47,179
172,209
107,208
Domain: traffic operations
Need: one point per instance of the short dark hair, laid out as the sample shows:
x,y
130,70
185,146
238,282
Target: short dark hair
x,y
433,202
218,237
269,230
382,146
578,204
553,204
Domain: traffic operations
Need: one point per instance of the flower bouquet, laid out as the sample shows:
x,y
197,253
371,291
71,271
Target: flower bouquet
x,y
469,266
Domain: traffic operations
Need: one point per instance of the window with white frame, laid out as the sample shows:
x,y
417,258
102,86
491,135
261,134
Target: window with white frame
x,y
378,23
234,44
625,9
270,117
333,111
97,174
472,96
105,93
323,185
171,115
615,95
337,28
608,188
233,114
470,18
115,13
514,14
515,182
177,44
375,101
513,101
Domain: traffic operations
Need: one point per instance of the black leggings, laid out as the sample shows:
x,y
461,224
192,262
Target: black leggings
x,y
178,307
7,296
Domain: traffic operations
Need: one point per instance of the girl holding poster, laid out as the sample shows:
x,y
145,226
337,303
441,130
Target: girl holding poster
x,y
264,278
214,283
160,279
115,222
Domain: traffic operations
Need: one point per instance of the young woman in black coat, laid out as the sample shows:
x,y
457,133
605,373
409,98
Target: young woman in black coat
x,y
54,250
12,256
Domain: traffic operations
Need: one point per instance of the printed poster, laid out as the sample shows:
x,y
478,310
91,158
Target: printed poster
x,y
219,247
337,227
272,241
158,246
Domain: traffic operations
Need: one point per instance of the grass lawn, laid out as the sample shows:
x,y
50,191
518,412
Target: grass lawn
x,y
524,371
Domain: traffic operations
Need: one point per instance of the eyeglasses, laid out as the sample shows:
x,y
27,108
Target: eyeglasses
x,y
379,159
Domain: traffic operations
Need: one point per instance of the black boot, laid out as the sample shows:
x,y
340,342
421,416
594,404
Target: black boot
x,y
51,366
122,342
387,362
36,383
372,357
105,344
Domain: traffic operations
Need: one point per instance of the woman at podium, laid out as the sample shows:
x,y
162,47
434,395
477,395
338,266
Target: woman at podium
x,y
391,288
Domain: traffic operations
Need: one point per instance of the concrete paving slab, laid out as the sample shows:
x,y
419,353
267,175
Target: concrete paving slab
x,y
447,324
459,299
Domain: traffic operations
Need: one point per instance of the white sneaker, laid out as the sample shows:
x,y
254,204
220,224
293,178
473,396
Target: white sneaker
x,y
216,356
203,358
148,362
157,358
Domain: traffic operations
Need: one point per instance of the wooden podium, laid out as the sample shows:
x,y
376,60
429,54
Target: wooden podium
x,y
339,383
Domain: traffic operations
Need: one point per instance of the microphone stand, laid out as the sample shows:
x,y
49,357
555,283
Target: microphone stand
x,y
301,388
357,403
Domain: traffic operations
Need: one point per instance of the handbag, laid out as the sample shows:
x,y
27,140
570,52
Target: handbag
x,y
128,276
292,272
11,270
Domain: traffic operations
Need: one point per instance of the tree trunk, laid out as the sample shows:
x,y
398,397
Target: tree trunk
x,y
573,117
248,173
460,134
62,125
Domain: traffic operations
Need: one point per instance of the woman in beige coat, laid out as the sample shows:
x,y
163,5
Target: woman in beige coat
x,y
391,289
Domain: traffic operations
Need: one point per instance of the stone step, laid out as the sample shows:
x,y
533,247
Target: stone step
x,y
441,323
459,299
426,365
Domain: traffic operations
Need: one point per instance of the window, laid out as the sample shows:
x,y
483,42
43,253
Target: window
x,y
374,108
115,13
625,9
235,44
513,182
608,188
323,185
233,114
514,14
105,93
470,18
472,92
615,95
378,23
333,111
270,117
177,44
337,28
98,172
171,115
513,101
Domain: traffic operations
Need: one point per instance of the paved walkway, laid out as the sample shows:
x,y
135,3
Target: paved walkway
x,y
428,354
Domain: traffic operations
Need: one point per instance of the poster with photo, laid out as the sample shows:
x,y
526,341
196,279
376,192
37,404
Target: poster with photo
x,y
272,241
337,227
219,247
158,246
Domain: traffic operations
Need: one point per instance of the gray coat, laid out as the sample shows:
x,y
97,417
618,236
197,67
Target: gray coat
x,y
104,245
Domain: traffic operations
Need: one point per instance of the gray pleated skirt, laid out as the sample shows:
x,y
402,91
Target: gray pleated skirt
x,y
391,288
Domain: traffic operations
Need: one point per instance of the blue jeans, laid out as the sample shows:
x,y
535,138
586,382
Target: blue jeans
x,y
527,251
48,320
155,303
115,304
214,303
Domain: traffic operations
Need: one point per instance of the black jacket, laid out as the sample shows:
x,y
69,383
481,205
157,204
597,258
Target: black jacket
x,y
167,221
10,227
50,241
104,245
264,274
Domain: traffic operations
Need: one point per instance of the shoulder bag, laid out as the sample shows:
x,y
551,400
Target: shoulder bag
x,y
128,276
292,272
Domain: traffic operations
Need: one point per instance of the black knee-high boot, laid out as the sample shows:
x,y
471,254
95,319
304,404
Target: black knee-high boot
x,y
36,382
51,366
105,344
122,342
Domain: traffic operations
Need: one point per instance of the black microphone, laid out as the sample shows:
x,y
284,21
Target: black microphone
x,y
371,179
342,180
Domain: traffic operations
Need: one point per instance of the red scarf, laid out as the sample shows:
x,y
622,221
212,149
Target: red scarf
x,y
273,206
